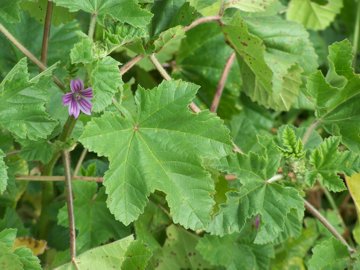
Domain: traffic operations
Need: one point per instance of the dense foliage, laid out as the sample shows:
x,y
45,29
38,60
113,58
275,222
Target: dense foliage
x,y
179,134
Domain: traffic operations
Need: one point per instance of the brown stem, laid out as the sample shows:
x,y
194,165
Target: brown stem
x,y
57,178
221,84
29,55
201,21
80,161
125,68
327,224
46,33
70,204
167,77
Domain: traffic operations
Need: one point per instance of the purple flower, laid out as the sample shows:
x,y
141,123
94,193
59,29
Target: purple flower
x,y
78,99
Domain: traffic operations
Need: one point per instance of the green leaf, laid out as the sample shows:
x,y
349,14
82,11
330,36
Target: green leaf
x,y
337,96
248,5
22,103
256,195
41,150
291,145
3,173
233,253
103,71
194,64
326,162
94,223
273,54
313,15
294,251
16,259
330,254
126,11
10,11
126,253
37,9
106,82
161,148
179,251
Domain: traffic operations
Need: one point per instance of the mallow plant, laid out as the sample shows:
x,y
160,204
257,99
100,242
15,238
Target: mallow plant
x,y
187,134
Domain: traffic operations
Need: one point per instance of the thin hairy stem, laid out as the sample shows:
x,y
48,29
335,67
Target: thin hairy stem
x,y
80,162
167,77
125,68
29,55
201,21
327,224
92,25
356,34
46,33
310,130
221,85
70,203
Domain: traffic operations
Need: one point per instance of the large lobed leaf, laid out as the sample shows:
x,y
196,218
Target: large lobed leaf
x,y
22,103
273,54
160,148
337,96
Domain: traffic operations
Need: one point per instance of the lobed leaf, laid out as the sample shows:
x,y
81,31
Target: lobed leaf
x,y
160,148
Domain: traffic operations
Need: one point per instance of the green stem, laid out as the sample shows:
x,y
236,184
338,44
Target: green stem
x,y
331,200
356,34
92,26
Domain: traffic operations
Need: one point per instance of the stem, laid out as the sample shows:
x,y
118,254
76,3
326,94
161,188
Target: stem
x,y
221,84
167,77
92,25
275,178
80,161
201,21
356,34
334,206
327,224
57,178
310,130
125,68
70,204
46,33
29,55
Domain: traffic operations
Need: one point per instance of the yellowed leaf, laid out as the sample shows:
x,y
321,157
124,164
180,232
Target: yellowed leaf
x,y
353,184
37,246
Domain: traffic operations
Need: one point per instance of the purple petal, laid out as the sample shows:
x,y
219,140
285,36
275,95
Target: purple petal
x,y
67,98
88,92
74,108
85,106
76,85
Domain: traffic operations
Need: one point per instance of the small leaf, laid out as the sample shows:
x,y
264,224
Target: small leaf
x,y
330,254
313,15
230,252
10,10
22,103
125,252
126,11
327,162
3,173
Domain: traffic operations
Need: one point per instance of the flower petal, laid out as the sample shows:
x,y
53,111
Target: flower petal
x,y
76,85
67,98
74,108
85,106
88,92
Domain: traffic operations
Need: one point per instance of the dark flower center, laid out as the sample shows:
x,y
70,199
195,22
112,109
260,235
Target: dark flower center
x,y
77,96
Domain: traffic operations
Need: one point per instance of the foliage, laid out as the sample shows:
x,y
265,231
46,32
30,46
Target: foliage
x,y
157,180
